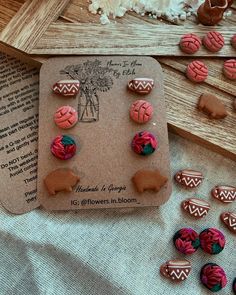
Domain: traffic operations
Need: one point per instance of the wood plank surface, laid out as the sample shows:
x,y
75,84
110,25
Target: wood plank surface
x,y
30,22
185,119
76,31
132,39
8,8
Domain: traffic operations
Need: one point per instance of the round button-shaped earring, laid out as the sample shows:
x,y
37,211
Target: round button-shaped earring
x,y
212,240
144,143
141,111
63,147
186,241
213,277
65,117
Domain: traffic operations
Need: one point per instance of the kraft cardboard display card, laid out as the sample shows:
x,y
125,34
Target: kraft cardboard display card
x,y
103,139
18,135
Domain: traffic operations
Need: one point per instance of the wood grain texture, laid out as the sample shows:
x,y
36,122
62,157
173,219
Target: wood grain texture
x,y
185,119
30,22
76,31
24,57
8,8
138,39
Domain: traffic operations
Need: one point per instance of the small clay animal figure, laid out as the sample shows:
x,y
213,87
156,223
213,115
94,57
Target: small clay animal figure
x,y
212,106
148,180
61,179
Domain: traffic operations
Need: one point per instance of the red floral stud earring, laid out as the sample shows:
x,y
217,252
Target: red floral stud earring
x,y
186,241
212,240
213,277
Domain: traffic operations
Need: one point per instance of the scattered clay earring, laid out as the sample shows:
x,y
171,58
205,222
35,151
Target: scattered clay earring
x,y
233,41
229,69
186,241
190,43
197,71
224,193
229,219
176,270
213,277
195,207
213,41
212,240
188,178
234,286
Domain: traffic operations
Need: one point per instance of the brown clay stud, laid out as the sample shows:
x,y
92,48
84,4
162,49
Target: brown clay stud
x,y
224,193
212,106
61,179
141,85
189,178
176,270
195,207
148,180
66,87
229,219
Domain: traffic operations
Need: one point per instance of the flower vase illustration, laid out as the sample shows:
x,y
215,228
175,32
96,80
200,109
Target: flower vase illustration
x,y
93,79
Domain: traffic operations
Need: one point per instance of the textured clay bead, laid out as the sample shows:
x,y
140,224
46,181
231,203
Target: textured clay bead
x,y
66,87
144,143
186,241
213,277
213,41
176,270
229,69
190,43
233,41
65,117
212,240
229,219
141,111
141,85
63,147
224,193
197,71
197,208
189,178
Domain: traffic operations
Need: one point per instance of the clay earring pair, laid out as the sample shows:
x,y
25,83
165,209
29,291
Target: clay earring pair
x,y
187,241
212,41
212,275
197,71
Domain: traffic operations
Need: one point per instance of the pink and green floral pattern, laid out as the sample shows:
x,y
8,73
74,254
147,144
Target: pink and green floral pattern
x,y
186,241
212,240
213,277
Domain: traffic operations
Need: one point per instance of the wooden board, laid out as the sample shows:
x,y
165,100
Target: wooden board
x,y
81,30
34,31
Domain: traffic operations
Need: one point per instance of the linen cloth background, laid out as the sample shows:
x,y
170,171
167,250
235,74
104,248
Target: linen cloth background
x,y
101,252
